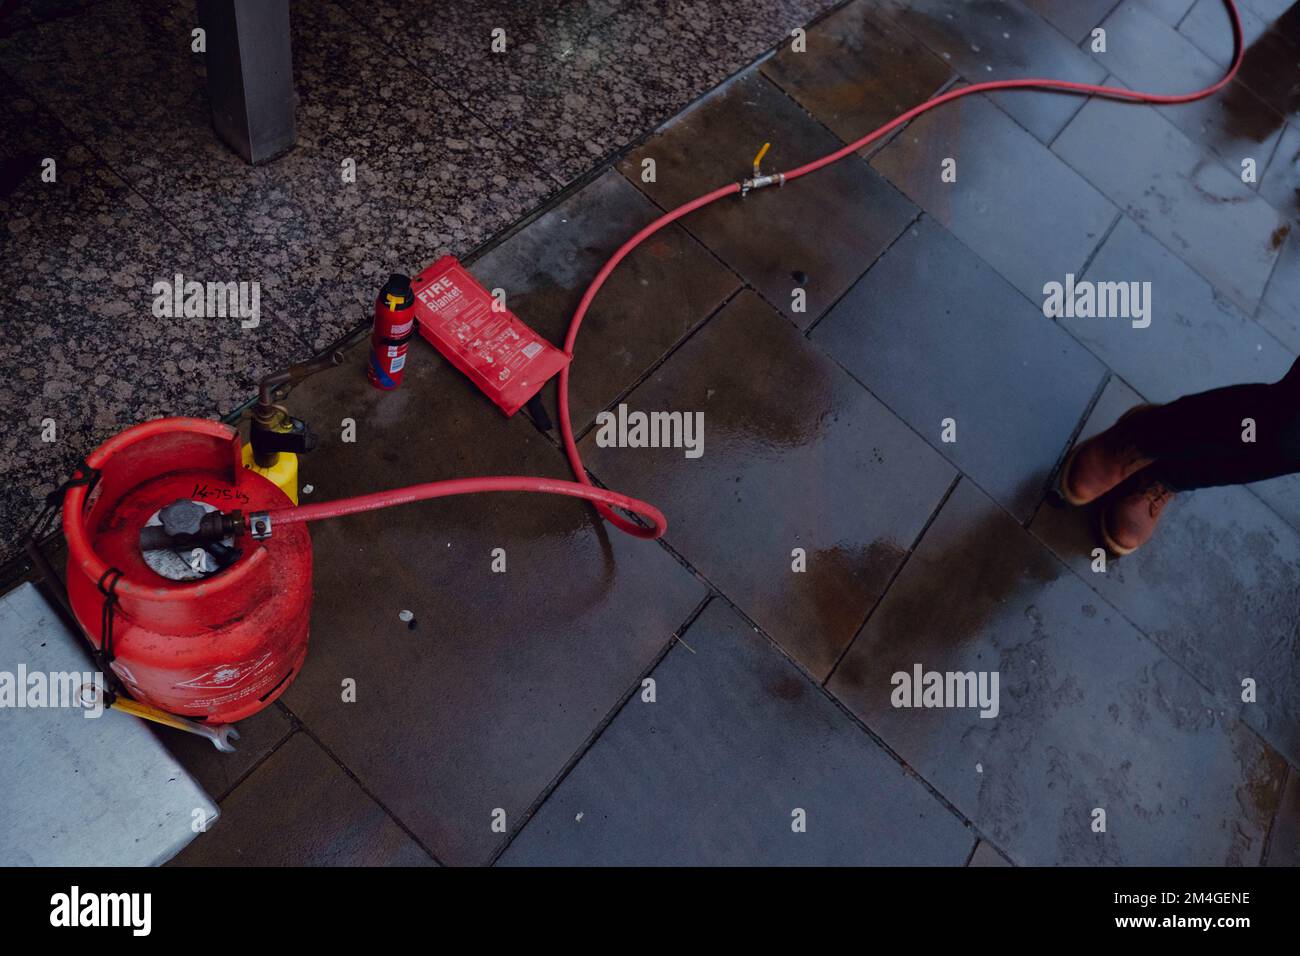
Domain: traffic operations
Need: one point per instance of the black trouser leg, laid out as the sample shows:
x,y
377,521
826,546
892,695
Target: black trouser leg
x,y
1197,440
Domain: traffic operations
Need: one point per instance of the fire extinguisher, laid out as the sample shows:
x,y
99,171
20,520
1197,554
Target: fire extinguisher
x,y
394,327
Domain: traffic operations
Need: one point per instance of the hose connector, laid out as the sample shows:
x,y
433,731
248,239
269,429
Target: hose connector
x,y
758,182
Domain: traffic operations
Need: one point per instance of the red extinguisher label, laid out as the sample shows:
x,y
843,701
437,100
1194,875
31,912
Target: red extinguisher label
x,y
394,327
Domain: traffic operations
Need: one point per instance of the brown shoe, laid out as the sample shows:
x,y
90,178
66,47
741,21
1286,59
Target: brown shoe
x,y
1130,516
1102,462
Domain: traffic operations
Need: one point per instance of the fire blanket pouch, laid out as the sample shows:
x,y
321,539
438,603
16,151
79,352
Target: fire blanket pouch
x,y
481,337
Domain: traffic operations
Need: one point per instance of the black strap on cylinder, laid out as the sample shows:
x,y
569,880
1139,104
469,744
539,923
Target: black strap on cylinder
x,y
108,587
102,655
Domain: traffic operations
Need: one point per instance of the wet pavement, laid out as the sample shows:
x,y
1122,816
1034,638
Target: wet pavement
x,y
1004,176
506,673
884,407
1203,340
1006,431
781,242
1075,18
1092,715
1144,52
1005,41
794,453
1197,208
545,268
865,69
321,818
706,742
1284,841
1218,589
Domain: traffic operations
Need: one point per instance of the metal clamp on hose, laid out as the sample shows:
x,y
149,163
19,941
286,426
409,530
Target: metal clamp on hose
x,y
259,525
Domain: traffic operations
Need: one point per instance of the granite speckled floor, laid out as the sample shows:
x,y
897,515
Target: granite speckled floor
x,y
451,146
616,701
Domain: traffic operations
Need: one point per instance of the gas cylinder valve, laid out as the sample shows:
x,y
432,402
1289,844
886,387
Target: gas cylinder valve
x,y
274,431
276,438
186,524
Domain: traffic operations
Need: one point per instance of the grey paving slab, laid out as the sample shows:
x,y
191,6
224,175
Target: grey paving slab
x,y
1091,714
1280,312
1168,11
657,295
1217,588
1075,18
744,761
815,235
1282,495
1271,10
859,70
1284,841
1281,182
985,855
1146,53
796,455
1024,211
219,772
1003,40
300,809
1195,340
1208,25
1015,385
506,674
1197,208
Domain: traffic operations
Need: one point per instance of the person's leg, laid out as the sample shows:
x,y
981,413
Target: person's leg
x,y
1198,440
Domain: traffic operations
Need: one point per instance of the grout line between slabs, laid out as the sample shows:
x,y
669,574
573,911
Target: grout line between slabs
x,y
596,732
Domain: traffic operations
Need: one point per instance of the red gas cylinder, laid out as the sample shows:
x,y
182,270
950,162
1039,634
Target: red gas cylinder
x,y
225,642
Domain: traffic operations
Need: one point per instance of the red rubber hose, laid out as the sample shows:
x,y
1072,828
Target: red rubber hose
x,y
605,501
463,486
566,426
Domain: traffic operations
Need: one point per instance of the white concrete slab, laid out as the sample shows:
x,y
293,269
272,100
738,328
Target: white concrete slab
x,y
78,790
